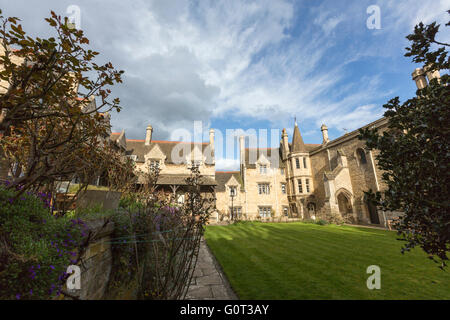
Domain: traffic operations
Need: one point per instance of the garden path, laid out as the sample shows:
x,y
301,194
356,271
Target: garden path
x,y
209,282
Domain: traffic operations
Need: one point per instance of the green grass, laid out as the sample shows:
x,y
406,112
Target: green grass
x,y
307,261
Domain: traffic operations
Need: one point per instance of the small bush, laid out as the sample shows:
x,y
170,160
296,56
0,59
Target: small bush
x,y
322,222
35,247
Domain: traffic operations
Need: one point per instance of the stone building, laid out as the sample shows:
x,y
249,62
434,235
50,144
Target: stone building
x,y
307,181
174,160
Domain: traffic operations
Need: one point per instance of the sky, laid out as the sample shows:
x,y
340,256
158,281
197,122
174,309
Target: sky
x,y
247,64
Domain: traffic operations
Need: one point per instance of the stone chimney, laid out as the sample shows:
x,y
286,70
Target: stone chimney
x,y
148,136
431,74
285,139
324,129
242,150
211,139
419,77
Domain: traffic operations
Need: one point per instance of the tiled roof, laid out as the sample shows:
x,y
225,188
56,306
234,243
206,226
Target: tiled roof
x,y
267,153
138,148
222,178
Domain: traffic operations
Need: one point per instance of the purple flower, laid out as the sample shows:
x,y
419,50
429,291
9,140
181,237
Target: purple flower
x,y
18,296
52,267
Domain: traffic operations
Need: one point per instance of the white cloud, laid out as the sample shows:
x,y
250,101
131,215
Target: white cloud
x,y
239,59
227,164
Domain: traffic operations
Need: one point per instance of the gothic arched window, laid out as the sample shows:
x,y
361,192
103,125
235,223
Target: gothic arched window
x,y
361,156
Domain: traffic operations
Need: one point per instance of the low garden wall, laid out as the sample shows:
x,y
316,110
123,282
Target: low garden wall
x,y
96,261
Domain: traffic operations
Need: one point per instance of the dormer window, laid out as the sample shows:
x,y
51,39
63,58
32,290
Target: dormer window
x,y
133,157
233,191
196,163
263,169
155,164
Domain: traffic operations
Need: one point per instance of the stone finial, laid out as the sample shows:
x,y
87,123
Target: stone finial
x,y
419,77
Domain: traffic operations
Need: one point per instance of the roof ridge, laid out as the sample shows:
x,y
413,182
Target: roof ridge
x,y
164,141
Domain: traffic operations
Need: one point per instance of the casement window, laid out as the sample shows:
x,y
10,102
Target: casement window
x,y
297,163
265,212
283,188
263,169
233,191
154,164
300,187
304,163
237,212
196,163
307,185
263,188
282,171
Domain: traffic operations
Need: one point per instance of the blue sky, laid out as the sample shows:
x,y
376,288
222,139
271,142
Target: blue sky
x,y
248,64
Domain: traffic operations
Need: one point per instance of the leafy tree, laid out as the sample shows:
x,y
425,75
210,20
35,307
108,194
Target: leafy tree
x,y
51,126
414,153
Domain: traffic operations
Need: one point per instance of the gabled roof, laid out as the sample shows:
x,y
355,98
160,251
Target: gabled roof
x,y
267,152
222,177
138,148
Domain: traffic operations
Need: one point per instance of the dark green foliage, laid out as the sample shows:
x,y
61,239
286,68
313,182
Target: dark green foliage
x,y
35,247
414,153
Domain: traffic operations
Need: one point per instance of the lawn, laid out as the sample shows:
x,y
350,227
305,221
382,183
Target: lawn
x,y
308,261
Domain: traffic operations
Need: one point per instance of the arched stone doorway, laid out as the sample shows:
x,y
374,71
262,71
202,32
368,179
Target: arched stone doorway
x,y
345,205
372,210
312,210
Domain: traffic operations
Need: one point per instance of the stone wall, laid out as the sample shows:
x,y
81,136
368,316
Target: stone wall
x,y
108,200
276,199
96,262
360,178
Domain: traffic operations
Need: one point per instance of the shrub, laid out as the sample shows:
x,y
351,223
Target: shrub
x,y
155,244
35,247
